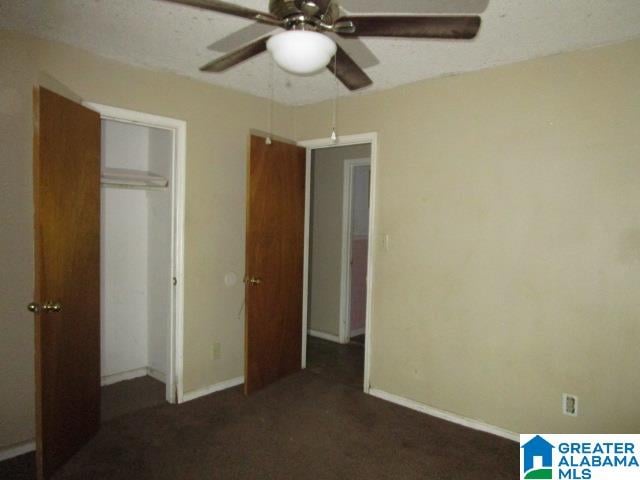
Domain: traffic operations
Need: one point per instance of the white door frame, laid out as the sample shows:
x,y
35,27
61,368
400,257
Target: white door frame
x,y
174,383
345,268
343,141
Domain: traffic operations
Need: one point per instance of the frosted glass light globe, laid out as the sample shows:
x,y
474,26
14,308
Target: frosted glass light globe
x,y
302,52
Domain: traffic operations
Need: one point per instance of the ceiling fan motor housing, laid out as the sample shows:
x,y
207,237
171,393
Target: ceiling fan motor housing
x,y
283,8
304,14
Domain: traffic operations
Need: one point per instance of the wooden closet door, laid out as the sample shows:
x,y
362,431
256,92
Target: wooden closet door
x,y
274,262
67,277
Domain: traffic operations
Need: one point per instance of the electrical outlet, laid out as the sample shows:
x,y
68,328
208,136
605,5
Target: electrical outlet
x,y
216,351
569,405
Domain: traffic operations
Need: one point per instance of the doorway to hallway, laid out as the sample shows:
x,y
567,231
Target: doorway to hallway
x,y
338,261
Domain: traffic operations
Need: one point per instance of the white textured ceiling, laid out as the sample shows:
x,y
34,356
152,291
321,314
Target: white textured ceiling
x,y
162,36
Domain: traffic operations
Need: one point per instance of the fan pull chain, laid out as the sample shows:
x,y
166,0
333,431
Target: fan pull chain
x,y
334,135
271,100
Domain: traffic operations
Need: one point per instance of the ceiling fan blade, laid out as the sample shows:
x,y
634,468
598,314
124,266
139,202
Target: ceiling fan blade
x,y
234,58
348,71
456,27
416,6
231,9
241,37
356,48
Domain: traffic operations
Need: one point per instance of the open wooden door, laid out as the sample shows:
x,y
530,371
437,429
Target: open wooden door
x,y
274,262
67,277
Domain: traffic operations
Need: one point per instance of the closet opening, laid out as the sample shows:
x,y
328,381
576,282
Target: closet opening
x,y
142,205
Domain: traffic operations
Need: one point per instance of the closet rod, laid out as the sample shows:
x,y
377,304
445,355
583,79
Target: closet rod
x,y
121,178
129,186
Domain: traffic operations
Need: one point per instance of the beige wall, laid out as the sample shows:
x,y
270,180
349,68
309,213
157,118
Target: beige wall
x,y
326,235
512,203
218,123
16,245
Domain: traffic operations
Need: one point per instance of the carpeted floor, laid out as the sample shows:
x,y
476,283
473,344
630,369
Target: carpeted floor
x,y
338,363
119,399
130,396
19,468
305,426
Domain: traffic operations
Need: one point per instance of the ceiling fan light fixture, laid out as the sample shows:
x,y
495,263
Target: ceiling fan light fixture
x,y
302,52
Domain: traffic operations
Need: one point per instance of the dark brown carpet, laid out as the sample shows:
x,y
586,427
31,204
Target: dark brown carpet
x,y
19,468
305,426
117,400
130,396
333,361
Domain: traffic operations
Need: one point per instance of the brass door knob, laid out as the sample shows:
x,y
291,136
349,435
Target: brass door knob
x,y
34,307
254,281
52,307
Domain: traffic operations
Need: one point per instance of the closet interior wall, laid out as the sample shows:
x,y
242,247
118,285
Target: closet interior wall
x,y
136,255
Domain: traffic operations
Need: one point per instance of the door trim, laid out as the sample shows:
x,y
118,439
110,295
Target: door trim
x,y
311,145
174,384
345,270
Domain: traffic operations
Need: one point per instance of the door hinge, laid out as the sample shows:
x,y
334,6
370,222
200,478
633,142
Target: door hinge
x,y
175,281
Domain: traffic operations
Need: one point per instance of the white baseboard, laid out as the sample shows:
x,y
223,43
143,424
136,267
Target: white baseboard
x,y
157,374
131,374
444,415
16,450
356,332
122,376
201,392
324,336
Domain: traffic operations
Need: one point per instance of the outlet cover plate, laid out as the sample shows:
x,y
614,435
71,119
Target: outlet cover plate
x,y
569,405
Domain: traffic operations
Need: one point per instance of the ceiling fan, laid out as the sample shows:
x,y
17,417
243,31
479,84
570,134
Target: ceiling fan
x,y
313,29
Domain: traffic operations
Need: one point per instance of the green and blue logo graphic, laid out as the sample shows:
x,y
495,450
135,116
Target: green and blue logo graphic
x,y
580,457
540,448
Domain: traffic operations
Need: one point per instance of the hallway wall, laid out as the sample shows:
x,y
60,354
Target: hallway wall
x,y
326,235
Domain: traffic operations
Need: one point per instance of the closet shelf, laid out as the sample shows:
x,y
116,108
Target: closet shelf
x,y
124,178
